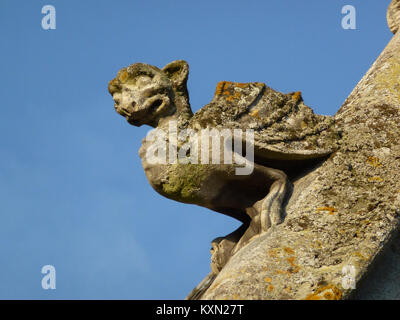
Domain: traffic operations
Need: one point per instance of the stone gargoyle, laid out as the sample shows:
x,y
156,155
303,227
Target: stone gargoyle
x,y
289,139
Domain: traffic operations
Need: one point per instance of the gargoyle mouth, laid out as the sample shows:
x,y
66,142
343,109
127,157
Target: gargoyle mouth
x,y
123,111
152,108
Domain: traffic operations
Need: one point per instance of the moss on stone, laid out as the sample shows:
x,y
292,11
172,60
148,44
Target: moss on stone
x,y
184,182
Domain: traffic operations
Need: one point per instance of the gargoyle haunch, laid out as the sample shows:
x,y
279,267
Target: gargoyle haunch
x,y
288,139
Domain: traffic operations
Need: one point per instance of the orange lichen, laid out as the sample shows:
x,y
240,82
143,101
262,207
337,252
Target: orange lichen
x,y
329,292
330,210
312,297
267,279
374,161
113,82
254,113
113,86
230,92
273,253
270,288
375,178
282,272
294,267
297,96
288,250
220,87
328,296
231,98
228,89
124,76
241,85
360,255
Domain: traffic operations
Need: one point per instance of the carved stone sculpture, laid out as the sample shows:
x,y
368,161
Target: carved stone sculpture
x,y
288,139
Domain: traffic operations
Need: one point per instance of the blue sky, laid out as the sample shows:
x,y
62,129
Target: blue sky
x,y
73,193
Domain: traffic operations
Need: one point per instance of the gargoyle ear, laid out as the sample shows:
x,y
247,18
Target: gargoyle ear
x,y
178,72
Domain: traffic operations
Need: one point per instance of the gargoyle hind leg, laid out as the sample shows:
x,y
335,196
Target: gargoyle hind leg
x,y
269,210
272,205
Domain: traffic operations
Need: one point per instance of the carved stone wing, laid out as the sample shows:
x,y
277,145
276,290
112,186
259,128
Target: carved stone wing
x,y
284,127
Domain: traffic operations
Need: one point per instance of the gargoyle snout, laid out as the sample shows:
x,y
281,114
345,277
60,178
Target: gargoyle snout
x,y
124,109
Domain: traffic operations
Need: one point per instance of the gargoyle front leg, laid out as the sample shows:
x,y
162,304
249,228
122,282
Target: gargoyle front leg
x,y
272,205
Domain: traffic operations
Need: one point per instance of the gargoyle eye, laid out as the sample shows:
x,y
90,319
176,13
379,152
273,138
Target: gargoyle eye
x,y
143,80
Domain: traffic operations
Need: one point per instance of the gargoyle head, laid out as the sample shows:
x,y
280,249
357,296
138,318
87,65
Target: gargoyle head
x,y
144,94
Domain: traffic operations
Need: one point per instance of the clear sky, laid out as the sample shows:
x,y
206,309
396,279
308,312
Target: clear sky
x,y
73,193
